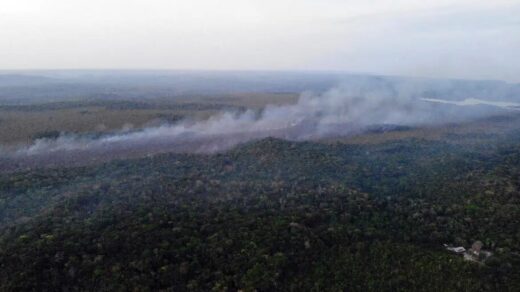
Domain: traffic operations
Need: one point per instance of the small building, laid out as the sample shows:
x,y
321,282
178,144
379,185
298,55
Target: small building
x,y
476,247
455,249
474,254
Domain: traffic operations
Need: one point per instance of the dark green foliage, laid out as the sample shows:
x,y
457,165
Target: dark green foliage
x,y
269,215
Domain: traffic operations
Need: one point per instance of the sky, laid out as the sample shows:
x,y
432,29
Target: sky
x,y
471,39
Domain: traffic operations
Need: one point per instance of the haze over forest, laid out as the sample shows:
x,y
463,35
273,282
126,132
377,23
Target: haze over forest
x,y
246,145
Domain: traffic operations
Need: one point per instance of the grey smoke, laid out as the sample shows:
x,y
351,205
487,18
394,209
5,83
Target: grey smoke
x,y
344,110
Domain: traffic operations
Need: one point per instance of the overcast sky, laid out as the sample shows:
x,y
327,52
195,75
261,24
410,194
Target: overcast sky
x,y
443,38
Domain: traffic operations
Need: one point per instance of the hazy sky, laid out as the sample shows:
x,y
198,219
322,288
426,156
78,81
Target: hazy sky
x,y
442,38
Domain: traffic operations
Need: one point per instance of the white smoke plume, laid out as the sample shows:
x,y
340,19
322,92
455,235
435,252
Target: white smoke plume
x,y
341,111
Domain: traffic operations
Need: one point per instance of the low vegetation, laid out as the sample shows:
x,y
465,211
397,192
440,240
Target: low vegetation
x,y
22,123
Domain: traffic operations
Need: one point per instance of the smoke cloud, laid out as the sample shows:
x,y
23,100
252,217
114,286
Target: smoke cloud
x,y
344,110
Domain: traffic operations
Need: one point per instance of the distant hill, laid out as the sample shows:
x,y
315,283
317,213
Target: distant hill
x,y
40,86
25,80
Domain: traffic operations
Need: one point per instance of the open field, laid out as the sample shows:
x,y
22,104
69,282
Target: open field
x,y
475,132
21,124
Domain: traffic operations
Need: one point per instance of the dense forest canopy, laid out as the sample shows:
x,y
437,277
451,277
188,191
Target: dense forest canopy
x,y
271,215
